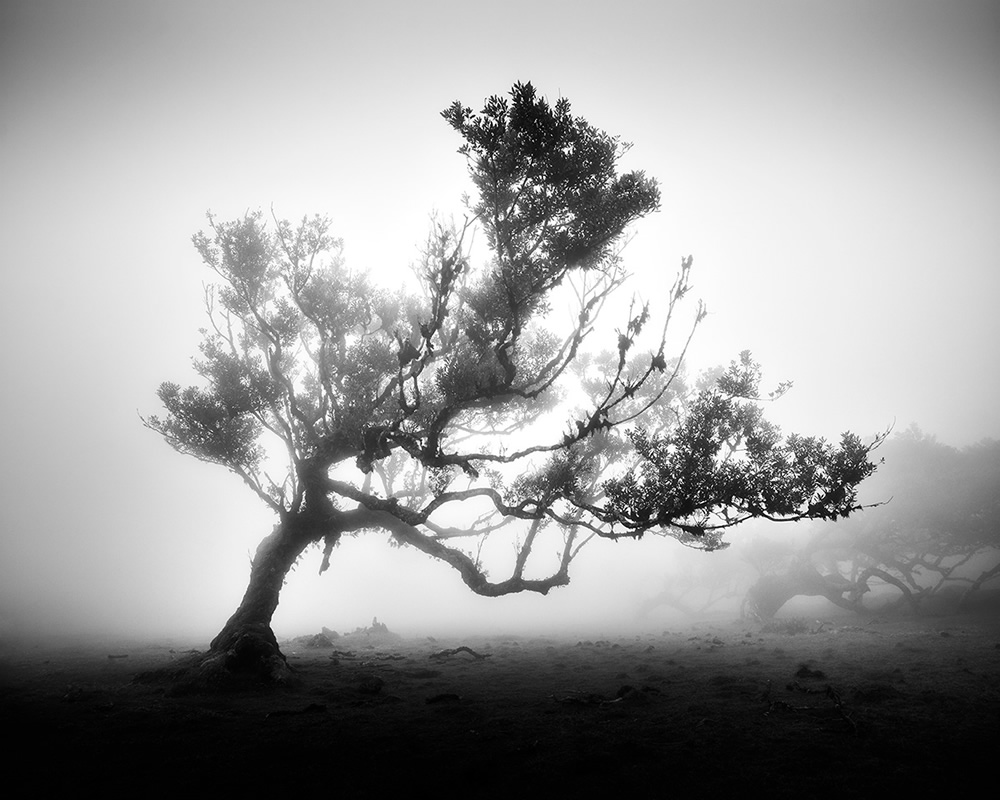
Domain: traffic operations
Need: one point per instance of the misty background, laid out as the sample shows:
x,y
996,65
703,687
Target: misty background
x,y
834,169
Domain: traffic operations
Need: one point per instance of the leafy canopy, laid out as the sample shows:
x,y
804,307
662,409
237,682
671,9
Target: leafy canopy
x,y
434,416
942,524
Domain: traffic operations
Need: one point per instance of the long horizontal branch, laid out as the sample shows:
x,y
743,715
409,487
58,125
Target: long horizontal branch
x,y
472,575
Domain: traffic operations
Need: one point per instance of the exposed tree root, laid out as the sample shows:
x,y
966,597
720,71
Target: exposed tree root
x,y
251,660
838,710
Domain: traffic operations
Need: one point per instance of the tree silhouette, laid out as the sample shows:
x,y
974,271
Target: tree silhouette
x,y
933,545
465,410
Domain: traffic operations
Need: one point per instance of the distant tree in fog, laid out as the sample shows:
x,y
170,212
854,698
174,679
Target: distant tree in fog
x,y
469,410
934,545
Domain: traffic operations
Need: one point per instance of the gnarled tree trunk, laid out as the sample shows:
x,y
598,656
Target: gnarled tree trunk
x,y
246,645
771,592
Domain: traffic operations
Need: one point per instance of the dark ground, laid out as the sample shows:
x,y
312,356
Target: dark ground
x,y
849,708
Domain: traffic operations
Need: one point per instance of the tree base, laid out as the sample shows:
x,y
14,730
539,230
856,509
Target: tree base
x,y
245,658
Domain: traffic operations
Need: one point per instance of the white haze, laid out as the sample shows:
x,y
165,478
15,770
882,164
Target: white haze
x,y
833,167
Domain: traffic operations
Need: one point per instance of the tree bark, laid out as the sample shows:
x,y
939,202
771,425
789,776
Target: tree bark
x,y
771,592
246,645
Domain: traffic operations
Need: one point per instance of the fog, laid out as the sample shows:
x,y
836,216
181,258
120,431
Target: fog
x,y
832,167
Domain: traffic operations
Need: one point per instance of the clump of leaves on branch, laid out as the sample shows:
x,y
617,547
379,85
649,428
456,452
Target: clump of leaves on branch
x,y
935,545
348,407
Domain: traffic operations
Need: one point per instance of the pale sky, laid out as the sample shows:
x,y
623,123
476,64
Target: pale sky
x,y
834,168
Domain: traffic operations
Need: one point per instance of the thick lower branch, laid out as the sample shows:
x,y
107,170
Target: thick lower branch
x,y
862,585
472,575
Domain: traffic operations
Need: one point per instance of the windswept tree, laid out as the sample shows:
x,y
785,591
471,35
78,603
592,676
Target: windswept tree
x,y
933,543
346,407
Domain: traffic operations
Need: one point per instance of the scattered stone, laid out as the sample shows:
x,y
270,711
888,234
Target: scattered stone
x,y
804,672
316,641
377,631
629,695
375,627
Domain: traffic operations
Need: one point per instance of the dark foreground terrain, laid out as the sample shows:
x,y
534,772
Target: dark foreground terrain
x,y
846,708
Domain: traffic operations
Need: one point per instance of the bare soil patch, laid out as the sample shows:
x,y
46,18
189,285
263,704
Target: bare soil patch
x,y
845,708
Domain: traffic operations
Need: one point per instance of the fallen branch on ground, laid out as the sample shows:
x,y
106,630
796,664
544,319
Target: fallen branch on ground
x,y
457,650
